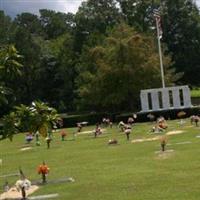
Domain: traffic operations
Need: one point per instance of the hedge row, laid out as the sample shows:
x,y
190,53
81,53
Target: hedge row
x,y
167,114
93,118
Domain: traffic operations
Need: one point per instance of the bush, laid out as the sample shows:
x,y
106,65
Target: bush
x,y
167,114
91,118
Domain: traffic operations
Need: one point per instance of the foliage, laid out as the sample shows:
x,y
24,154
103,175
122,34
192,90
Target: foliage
x,y
91,118
56,24
139,13
167,114
37,117
195,93
59,66
179,16
10,125
9,65
10,69
6,26
126,62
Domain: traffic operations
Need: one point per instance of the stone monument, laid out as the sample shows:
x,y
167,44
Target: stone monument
x,y
165,98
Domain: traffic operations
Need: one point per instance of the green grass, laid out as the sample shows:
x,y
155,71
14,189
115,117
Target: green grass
x,y
123,172
195,93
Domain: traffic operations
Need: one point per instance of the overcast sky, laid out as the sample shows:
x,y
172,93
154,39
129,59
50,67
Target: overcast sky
x,y
13,7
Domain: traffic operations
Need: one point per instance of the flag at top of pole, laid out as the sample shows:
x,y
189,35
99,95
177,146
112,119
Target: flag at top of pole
x,y
157,16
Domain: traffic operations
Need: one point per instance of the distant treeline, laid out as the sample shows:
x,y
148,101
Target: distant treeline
x,y
99,58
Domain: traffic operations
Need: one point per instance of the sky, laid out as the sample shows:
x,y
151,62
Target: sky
x,y
14,7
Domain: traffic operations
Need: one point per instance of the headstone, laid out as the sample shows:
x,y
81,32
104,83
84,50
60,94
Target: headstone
x,y
179,98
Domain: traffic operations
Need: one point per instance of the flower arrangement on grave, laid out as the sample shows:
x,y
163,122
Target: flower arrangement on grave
x,y
195,119
163,143
181,114
112,141
43,169
23,184
63,135
151,117
162,123
29,137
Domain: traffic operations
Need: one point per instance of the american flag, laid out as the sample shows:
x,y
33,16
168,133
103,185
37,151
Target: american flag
x,y
157,16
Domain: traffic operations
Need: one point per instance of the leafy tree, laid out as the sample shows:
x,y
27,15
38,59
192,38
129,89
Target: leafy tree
x,y
37,117
5,31
139,13
10,69
56,24
9,126
30,22
126,63
176,17
181,28
10,66
94,16
31,52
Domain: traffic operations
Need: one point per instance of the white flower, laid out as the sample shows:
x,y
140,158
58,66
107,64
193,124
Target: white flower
x,y
23,183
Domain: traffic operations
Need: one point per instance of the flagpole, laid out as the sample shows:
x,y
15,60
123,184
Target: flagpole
x,y
160,54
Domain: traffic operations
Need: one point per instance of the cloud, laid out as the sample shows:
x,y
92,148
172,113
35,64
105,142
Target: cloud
x,y
14,7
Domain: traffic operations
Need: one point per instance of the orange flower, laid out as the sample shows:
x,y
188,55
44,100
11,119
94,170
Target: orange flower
x,y
43,169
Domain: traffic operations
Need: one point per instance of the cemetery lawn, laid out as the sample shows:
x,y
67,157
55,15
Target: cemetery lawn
x,y
128,171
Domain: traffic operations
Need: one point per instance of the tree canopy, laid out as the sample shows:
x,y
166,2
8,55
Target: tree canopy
x,y
126,62
100,57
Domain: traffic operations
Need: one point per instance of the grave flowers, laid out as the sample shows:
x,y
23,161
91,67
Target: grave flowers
x,y
43,169
23,184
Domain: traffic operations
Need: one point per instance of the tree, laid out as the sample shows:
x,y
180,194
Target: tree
x,y
31,52
126,63
6,26
56,24
139,13
94,16
10,69
9,126
30,22
181,29
37,117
